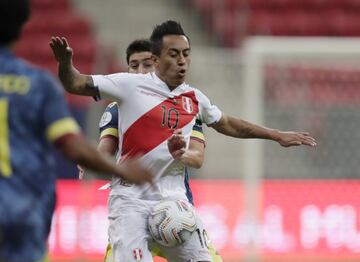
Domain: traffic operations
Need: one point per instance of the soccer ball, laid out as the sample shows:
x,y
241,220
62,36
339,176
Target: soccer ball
x,y
172,222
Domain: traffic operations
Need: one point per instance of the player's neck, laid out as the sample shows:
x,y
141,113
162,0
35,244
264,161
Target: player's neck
x,y
168,83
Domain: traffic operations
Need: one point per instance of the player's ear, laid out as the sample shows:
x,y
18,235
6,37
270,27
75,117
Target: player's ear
x,y
155,59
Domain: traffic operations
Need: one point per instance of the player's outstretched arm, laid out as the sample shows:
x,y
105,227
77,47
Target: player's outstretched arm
x,y
239,128
78,150
73,81
107,146
192,156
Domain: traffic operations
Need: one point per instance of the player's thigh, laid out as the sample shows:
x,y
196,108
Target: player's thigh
x,y
194,249
128,233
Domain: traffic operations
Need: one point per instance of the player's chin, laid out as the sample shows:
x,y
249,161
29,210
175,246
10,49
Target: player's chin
x,y
179,79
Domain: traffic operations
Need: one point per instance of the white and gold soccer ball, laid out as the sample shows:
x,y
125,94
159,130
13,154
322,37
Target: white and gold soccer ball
x,y
172,222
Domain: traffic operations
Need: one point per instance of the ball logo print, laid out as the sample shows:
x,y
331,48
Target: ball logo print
x,y
171,222
184,205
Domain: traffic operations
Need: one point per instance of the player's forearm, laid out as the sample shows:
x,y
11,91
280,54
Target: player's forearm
x,y
107,146
74,82
192,158
97,162
243,129
246,129
78,150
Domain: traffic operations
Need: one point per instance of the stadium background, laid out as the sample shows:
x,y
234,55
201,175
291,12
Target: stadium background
x,y
289,64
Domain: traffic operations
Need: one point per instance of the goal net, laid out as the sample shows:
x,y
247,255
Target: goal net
x,y
303,84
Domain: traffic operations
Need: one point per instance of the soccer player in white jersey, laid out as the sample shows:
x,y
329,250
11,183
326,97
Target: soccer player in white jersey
x,y
139,60
152,106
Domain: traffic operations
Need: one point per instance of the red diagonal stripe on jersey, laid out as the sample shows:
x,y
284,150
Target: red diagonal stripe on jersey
x,y
155,126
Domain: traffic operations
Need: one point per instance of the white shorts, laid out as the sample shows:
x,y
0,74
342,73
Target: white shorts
x,y
130,239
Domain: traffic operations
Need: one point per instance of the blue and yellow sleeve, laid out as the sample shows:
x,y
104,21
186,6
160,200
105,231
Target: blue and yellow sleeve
x,y
197,132
57,118
62,127
108,125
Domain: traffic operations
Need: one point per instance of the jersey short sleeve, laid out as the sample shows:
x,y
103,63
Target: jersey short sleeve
x,y
108,124
208,113
114,86
56,116
197,132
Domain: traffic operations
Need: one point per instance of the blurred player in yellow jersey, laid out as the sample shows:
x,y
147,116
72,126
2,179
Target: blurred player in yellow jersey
x,y
138,58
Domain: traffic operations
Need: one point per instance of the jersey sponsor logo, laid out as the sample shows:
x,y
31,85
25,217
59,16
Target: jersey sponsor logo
x,y
137,253
157,125
105,119
187,104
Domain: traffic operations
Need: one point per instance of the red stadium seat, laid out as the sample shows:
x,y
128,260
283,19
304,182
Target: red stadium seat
x,y
49,5
345,4
266,22
235,4
51,18
57,18
205,6
343,23
280,18
314,4
38,49
227,25
272,4
306,24
281,23
326,86
61,23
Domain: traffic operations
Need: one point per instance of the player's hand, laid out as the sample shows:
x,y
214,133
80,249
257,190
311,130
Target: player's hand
x,y
176,144
134,173
287,139
61,49
81,172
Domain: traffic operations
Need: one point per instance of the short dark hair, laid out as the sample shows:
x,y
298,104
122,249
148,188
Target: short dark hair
x,y
13,14
137,46
169,27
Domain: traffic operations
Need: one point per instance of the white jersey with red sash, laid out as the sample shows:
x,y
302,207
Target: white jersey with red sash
x,y
150,112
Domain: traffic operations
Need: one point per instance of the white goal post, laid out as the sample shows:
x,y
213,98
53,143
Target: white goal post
x,y
300,83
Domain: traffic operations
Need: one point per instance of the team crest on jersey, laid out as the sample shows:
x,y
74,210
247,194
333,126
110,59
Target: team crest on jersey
x,y
105,119
187,104
137,253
